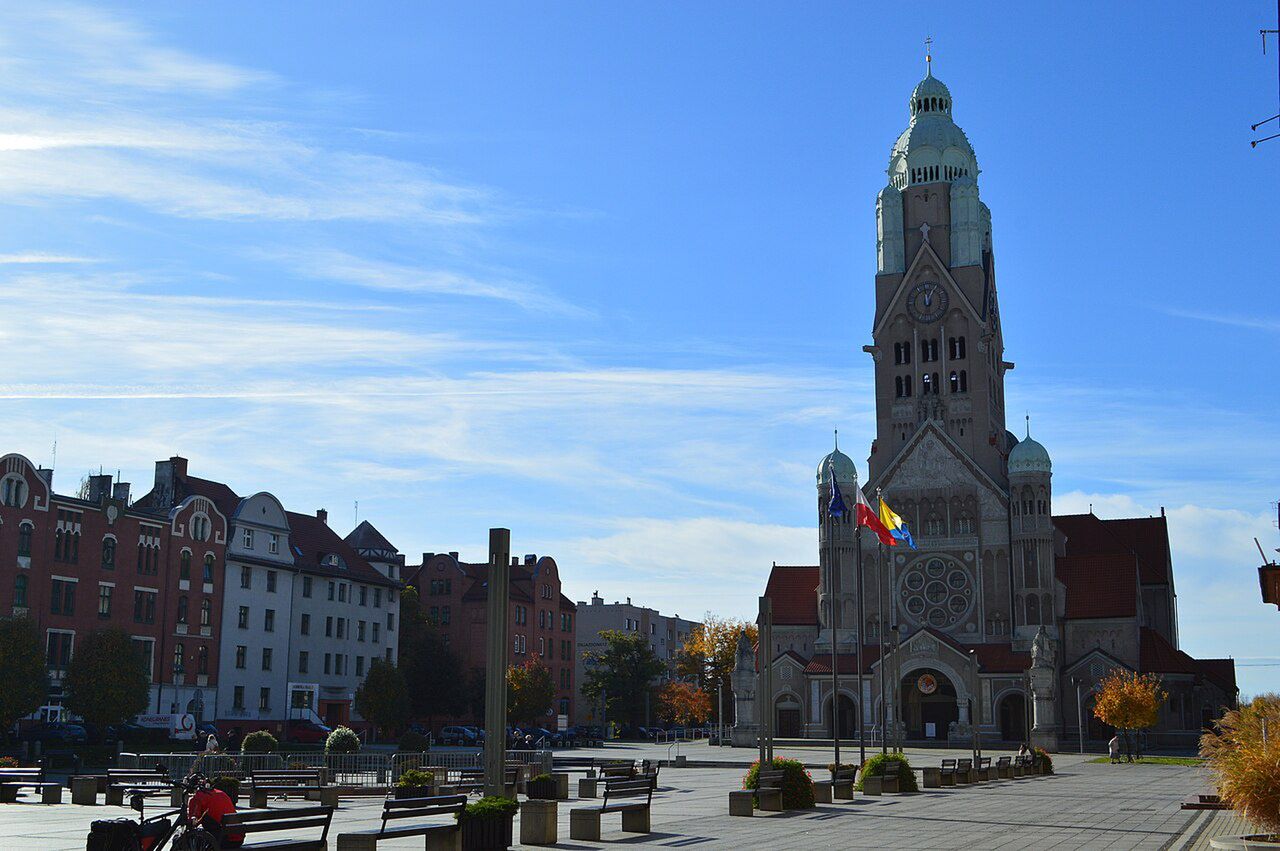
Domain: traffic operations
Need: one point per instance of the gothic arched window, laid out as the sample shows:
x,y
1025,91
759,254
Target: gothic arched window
x,y
926,384
906,352
907,385
898,386
108,553
24,538
955,381
964,381
184,565
1033,609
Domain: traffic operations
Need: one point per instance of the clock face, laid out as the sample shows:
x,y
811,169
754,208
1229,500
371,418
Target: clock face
x,y
927,301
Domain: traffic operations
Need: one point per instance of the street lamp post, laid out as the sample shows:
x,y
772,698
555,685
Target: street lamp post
x,y
1079,713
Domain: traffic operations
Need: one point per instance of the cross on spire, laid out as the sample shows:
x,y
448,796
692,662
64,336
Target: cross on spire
x,y
928,56
837,440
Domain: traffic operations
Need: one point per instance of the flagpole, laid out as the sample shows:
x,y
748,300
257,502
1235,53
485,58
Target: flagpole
x,y
832,567
881,575
862,619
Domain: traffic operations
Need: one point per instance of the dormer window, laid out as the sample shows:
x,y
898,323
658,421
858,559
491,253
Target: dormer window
x,y
200,527
13,491
248,539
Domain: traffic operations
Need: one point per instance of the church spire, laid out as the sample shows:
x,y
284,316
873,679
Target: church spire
x,y
928,56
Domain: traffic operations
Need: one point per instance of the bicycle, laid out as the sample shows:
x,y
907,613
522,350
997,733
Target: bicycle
x,y
172,829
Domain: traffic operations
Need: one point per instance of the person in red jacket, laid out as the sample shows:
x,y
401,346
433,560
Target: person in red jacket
x,y
206,808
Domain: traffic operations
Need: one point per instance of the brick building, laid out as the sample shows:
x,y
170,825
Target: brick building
x,y
79,563
455,594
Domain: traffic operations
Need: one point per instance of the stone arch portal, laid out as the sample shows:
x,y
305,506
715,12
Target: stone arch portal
x,y
929,703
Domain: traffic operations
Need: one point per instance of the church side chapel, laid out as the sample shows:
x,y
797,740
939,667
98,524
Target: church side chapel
x,y
1005,613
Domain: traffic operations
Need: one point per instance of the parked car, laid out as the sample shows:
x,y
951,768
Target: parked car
x,y
307,732
57,733
479,733
458,735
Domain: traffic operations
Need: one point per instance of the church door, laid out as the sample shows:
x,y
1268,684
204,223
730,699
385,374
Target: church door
x,y
1013,718
928,704
848,718
787,721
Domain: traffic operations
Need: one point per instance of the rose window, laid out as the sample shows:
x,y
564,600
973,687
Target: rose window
x,y
936,591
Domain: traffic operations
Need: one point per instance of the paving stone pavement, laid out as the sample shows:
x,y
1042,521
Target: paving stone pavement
x,y
1083,806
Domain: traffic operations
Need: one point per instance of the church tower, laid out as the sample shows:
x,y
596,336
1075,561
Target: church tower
x,y
938,346
837,539
1031,510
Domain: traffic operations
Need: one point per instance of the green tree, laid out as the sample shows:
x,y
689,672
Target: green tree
x,y
432,671
383,697
107,679
530,692
709,653
21,670
622,674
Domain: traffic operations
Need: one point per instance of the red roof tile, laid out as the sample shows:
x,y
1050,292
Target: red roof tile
x,y
1001,658
1222,672
1156,655
1147,538
311,540
794,593
847,662
1099,586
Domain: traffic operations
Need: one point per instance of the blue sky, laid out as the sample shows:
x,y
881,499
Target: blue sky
x,y
602,273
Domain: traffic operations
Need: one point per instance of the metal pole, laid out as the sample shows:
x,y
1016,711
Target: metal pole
x,y
497,654
772,711
881,575
973,704
832,567
862,619
1026,678
1079,715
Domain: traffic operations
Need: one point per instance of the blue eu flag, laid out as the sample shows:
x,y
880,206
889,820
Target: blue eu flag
x,y
836,507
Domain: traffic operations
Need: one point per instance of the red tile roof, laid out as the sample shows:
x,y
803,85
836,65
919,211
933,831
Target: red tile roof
x,y
1099,586
1221,672
1147,538
794,593
311,540
1156,655
847,662
1001,658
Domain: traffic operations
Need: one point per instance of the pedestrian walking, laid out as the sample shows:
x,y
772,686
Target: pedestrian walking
x,y
1114,747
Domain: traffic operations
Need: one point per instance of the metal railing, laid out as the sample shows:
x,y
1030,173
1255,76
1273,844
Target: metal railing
x,y
367,768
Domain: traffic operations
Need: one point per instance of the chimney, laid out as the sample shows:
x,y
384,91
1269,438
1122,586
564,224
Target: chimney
x,y
531,559
426,557
628,601
596,599
515,561
120,491
322,516
46,473
454,554
168,474
99,487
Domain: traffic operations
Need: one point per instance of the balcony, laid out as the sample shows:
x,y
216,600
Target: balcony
x,y
1269,579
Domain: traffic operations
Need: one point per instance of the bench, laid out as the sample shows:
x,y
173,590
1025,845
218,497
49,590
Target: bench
x,y
632,798
13,779
839,787
947,774
585,764
1021,765
1004,768
298,781
125,780
964,771
983,770
471,780
258,821
588,787
884,779
769,790
440,836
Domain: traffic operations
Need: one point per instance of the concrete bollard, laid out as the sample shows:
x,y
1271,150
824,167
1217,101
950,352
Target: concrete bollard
x,y
538,822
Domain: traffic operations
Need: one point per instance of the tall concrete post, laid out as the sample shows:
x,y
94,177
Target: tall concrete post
x,y
496,655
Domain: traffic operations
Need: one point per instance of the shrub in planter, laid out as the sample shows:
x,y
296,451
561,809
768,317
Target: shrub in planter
x,y
1046,761
415,742
8,762
1243,752
906,777
230,785
414,783
342,740
844,766
259,741
486,824
542,788
797,785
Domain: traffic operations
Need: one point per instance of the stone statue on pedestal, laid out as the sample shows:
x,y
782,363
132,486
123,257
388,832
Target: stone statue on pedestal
x,y
746,729
1044,683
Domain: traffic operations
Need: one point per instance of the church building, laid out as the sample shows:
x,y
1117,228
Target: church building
x,y
1006,616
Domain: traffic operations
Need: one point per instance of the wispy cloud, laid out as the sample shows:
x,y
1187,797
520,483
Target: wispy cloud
x,y
1258,323
36,258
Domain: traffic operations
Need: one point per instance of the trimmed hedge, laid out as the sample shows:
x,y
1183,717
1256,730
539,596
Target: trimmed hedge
x,y
489,807
413,742
416,777
259,741
797,785
342,740
906,777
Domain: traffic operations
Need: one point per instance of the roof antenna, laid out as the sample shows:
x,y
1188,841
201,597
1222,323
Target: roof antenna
x,y
928,56
357,518
1028,426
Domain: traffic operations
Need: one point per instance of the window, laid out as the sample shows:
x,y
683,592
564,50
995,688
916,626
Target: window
x,y
391,622
434,614
327,659
62,597
246,577
332,589
24,539
542,646
360,631
237,700
929,350
241,653
306,586
266,658
926,384
389,659
269,620
364,595
342,592
146,649
144,606
328,627
377,598
58,649
375,630
444,618
304,625
242,620
178,655
208,569
20,592
359,666
182,608
303,661
339,663
271,582
104,600
202,660
273,543
108,553
206,612
342,627
184,566
264,699
200,527
957,348
13,491
248,539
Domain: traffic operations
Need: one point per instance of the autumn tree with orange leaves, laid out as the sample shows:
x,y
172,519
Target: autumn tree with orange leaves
x,y
684,704
709,653
1129,701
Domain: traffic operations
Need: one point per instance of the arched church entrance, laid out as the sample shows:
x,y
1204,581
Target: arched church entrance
x,y
928,704
848,717
1094,729
1013,717
787,720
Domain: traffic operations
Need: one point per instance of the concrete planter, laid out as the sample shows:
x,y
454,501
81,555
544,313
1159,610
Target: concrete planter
x,y
1252,842
487,834
538,822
